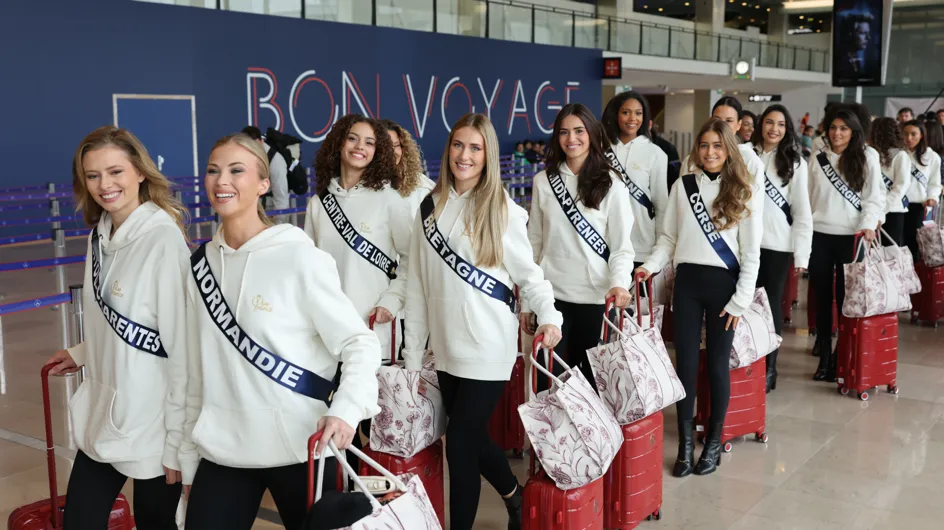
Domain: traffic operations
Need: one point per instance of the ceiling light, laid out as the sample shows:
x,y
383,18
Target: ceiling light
x,y
801,27
801,17
743,4
752,20
687,4
768,10
660,9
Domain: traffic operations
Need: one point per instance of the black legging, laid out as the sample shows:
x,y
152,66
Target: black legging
x,y
701,292
579,333
913,221
470,451
94,486
830,253
895,226
772,276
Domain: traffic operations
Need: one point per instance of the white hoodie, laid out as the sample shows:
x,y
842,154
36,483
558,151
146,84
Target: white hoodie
x,y
129,411
471,334
416,197
930,166
682,239
898,171
579,275
646,164
779,235
285,295
834,214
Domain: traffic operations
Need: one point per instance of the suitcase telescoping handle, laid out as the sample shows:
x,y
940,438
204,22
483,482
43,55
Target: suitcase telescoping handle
x,y
393,336
50,449
639,283
605,331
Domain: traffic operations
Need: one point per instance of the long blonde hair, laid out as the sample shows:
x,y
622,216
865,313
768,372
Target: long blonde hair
x,y
154,188
262,163
731,202
489,215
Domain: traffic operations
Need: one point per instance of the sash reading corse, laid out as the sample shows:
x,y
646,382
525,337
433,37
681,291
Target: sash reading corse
x,y
584,229
133,334
469,273
847,193
888,185
635,191
290,376
358,243
778,198
708,226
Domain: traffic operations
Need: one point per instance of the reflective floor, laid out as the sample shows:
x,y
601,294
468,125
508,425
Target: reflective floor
x,y
832,462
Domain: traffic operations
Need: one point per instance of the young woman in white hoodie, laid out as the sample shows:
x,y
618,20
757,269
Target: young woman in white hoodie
x,y
847,196
580,230
788,220
886,139
269,327
128,414
414,184
712,234
925,186
641,165
469,249
728,109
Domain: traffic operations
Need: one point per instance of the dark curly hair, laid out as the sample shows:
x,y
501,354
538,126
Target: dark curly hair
x,y
885,136
852,161
788,151
611,115
594,180
381,170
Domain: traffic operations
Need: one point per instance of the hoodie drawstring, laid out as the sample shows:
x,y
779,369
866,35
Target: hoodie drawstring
x,y
242,281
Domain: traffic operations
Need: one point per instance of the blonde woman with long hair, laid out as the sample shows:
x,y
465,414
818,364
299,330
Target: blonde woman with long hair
x,y
269,327
470,248
128,414
712,233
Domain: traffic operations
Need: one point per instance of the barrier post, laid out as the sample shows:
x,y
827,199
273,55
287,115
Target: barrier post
x,y
196,211
74,380
59,250
53,212
293,203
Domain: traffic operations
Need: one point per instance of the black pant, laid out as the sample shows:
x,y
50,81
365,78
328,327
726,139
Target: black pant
x,y
895,226
772,276
228,498
701,292
580,332
470,451
94,486
913,221
830,253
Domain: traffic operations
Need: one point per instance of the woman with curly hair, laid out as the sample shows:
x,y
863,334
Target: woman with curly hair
x,y
360,218
414,184
712,234
588,265
886,139
925,186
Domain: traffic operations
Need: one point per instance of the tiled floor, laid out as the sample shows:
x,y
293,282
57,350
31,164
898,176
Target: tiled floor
x,y
832,462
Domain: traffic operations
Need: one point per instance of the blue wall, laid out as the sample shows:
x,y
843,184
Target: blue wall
x,y
71,57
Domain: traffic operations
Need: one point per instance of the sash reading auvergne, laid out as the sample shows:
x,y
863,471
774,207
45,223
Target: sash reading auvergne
x,y
635,191
708,226
135,335
290,376
469,273
847,193
358,243
778,199
584,229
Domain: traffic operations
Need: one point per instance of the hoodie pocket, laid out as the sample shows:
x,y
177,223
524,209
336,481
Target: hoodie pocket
x,y
92,410
574,276
243,438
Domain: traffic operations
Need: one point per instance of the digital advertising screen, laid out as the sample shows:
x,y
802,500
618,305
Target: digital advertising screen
x,y
858,40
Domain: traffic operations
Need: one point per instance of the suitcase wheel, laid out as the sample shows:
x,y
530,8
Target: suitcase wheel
x,y
655,516
762,437
795,303
864,396
914,319
517,453
893,389
727,447
843,390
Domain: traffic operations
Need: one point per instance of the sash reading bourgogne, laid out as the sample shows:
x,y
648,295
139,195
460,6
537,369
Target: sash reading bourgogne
x,y
847,193
635,191
778,198
358,243
708,226
583,227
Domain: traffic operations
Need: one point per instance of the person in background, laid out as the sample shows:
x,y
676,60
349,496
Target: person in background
x,y
414,184
747,126
788,221
531,152
806,141
579,174
519,156
469,223
940,116
714,282
935,136
886,139
278,173
667,147
728,109
925,189
905,115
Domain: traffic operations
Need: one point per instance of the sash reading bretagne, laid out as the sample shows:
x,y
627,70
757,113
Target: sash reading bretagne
x,y
635,191
703,216
470,274
774,194
358,243
847,193
133,334
584,229
286,374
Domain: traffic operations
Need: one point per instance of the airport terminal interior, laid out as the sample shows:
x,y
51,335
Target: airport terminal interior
x,y
181,74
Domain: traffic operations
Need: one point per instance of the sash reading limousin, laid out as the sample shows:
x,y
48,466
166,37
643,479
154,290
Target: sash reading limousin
x,y
358,243
778,198
290,376
584,229
133,334
847,193
888,185
635,191
708,226
469,273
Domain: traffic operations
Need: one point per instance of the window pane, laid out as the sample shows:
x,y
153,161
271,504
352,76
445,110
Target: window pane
x,y
406,14
349,11
192,3
285,8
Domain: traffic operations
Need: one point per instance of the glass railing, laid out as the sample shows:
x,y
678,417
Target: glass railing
x,y
518,21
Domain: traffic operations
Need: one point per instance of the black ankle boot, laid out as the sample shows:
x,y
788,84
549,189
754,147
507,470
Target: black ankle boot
x,y
684,464
711,454
831,366
824,351
772,371
513,505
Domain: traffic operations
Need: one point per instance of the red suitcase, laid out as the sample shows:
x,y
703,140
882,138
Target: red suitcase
x,y
41,515
632,488
545,507
747,407
928,305
505,425
427,464
867,354
790,293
